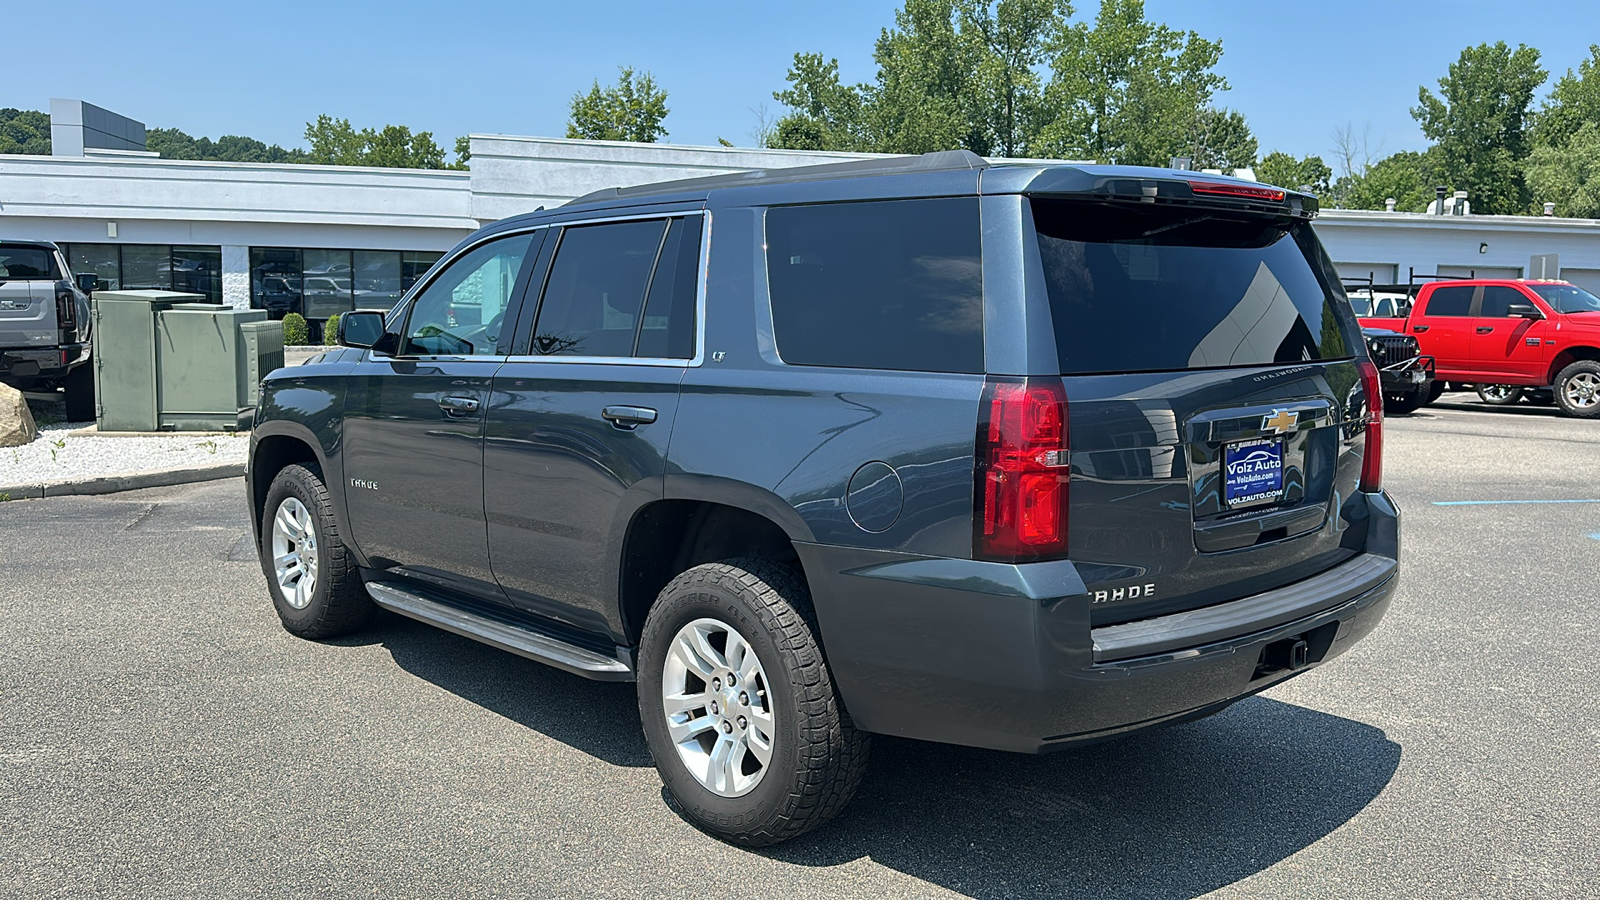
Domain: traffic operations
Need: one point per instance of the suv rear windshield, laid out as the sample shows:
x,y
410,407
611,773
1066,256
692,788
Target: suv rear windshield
x,y
1138,288
23,261
1567,298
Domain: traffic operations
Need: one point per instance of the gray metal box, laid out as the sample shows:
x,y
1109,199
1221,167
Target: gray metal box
x,y
263,352
127,396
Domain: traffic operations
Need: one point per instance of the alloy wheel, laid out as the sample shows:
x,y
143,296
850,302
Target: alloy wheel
x,y
294,552
1582,390
719,710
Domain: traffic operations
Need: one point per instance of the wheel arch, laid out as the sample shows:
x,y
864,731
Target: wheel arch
x,y
669,536
278,444
1566,358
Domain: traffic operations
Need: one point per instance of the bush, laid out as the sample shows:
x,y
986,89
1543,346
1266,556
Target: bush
x,y
330,331
295,333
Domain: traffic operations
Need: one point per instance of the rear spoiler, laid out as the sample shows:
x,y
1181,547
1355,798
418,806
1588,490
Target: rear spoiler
x,y
1175,187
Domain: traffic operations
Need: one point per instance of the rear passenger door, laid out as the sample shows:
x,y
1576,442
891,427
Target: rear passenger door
x,y
1444,327
582,413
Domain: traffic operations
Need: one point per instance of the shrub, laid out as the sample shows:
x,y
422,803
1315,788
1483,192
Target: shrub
x,y
330,331
295,333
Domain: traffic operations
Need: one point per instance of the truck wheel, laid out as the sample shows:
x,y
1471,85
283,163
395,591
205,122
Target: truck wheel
x,y
739,708
1499,394
1435,391
1578,389
1404,404
315,585
79,385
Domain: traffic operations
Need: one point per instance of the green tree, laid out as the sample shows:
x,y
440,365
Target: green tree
x,y
24,131
1408,177
1479,122
336,142
1569,173
823,114
925,98
463,152
1127,90
1221,139
172,143
1281,169
630,110
1574,101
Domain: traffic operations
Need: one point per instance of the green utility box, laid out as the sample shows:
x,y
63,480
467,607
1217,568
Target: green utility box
x,y
164,362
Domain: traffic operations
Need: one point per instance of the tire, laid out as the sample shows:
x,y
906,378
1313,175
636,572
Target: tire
x,y
326,598
1404,404
1577,389
1499,394
1539,397
1435,391
79,389
815,755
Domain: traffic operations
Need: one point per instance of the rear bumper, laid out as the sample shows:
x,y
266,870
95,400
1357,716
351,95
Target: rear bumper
x,y
43,362
1003,656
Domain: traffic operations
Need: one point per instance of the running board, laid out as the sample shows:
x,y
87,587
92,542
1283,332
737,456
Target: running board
x,y
538,647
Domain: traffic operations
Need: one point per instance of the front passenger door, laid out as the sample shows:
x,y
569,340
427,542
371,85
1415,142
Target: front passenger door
x,y
413,425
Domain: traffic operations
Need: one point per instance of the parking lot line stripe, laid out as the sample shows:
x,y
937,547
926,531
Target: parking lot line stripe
x,y
1502,502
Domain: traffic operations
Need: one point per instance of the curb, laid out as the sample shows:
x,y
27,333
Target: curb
x,y
111,484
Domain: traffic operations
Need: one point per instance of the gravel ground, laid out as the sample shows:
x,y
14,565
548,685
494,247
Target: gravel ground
x,y
58,455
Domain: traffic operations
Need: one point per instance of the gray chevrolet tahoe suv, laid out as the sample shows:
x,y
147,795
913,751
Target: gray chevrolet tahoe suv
x,y
1008,456
44,325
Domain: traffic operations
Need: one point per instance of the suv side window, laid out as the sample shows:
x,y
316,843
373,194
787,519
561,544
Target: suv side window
x,y
460,312
620,289
892,284
1497,300
1450,301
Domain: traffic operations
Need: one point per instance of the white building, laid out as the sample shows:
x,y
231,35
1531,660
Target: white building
x,y
326,238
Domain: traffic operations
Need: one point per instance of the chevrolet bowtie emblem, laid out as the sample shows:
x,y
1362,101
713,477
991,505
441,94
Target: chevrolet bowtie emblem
x,y
1281,421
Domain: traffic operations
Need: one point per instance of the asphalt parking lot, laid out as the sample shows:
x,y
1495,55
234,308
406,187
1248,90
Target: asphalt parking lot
x,y
161,735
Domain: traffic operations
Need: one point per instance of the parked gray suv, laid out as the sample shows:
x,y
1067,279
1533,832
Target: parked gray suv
x,y
44,325
1010,456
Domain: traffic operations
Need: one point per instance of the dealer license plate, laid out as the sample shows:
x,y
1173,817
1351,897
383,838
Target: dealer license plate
x,y
1252,473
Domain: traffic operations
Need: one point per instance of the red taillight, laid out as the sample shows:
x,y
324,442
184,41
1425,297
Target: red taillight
x,y
1237,190
1021,485
1372,456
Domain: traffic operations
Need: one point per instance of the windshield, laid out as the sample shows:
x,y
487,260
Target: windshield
x,y
26,262
1567,298
1136,288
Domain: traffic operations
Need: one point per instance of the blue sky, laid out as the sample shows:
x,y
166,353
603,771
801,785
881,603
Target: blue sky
x,y
1298,70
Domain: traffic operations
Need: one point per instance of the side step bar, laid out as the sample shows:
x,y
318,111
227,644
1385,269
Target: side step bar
x,y
538,647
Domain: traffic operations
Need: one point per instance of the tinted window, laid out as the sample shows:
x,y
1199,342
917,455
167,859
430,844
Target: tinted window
x,y
1450,301
596,289
1567,298
26,262
461,311
667,330
882,285
1146,288
1497,300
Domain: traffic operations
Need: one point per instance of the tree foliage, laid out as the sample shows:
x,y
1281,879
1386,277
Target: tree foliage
x,y
1568,174
24,131
1479,120
1221,139
173,143
1281,169
630,110
1574,102
824,113
336,142
1408,177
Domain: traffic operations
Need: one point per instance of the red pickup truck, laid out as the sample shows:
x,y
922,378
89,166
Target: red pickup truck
x,y
1541,334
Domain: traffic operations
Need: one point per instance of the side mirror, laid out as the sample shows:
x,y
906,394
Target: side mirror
x,y
1524,310
363,328
88,282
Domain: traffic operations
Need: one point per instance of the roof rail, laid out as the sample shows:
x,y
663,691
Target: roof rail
x,y
939,161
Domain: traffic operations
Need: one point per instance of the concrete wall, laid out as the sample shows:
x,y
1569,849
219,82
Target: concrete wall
x,y
1455,244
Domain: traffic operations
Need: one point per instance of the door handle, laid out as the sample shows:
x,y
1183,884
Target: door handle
x,y
1485,329
459,406
628,417
1419,328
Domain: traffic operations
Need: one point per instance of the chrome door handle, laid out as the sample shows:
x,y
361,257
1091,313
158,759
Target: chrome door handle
x,y
459,406
628,417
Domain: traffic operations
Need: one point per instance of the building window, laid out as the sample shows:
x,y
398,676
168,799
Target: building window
x,y
318,283
195,270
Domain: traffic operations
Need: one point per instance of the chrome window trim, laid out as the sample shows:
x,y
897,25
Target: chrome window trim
x,y
702,271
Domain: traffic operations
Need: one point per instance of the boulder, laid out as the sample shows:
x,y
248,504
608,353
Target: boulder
x,y
16,420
